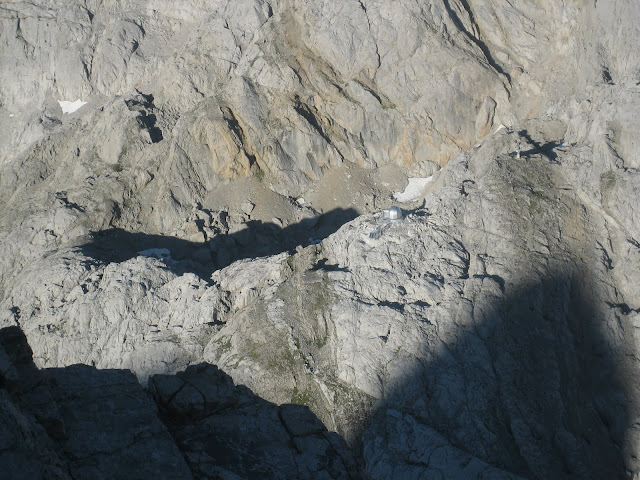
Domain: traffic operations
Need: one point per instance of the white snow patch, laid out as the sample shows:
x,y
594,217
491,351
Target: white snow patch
x,y
160,253
413,190
70,107
11,115
500,127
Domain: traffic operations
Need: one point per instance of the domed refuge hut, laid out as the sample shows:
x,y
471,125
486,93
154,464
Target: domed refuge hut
x,y
392,213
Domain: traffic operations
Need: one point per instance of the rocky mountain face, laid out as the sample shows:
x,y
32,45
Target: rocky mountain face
x,y
197,281
81,422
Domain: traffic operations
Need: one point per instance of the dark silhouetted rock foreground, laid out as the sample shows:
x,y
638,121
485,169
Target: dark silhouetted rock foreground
x,y
79,422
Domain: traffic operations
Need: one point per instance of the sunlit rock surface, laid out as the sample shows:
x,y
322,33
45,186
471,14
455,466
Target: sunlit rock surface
x,y
219,199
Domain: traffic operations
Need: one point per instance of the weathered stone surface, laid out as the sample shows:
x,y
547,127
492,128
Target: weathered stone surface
x,y
25,449
29,415
108,427
287,89
148,312
111,424
78,422
399,447
198,391
490,333
451,315
226,430
440,316
299,421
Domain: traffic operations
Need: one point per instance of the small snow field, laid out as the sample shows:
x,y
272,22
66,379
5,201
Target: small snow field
x,y
70,107
413,190
160,253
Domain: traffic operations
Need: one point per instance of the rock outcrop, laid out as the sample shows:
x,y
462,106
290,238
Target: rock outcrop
x,y
215,207
83,423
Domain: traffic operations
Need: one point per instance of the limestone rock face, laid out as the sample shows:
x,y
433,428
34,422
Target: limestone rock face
x,y
83,422
206,412
79,422
473,326
280,86
205,238
453,318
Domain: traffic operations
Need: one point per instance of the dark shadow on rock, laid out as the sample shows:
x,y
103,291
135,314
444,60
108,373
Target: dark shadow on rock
x,y
143,104
148,121
83,423
257,239
322,265
222,428
78,422
526,383
453,15
529,385
547,149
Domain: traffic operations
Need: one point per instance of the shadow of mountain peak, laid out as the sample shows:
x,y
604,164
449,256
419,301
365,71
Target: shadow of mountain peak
x,y
532,388
257,239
